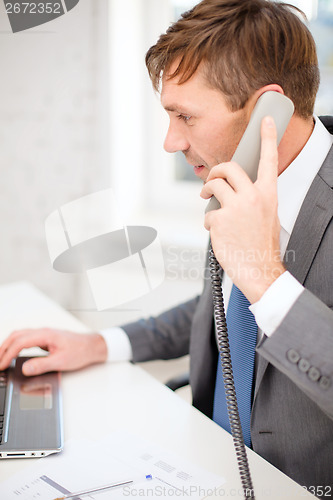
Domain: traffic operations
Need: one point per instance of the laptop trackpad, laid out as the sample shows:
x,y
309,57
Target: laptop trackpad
x,y
36,394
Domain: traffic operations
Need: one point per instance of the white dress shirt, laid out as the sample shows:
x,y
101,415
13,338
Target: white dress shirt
x,y
293,185
271,309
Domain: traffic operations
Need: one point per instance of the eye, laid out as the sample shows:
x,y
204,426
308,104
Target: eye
x,y
185,118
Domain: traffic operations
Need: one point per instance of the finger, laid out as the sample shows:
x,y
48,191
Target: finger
x,y
25,336
6,343
41,364
233,173
22,340
211,219
219,188
268,164
15,335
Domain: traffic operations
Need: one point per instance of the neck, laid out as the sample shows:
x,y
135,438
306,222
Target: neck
x,y
294,140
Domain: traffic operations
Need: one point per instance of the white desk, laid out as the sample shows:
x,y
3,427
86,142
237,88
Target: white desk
x,y
123,396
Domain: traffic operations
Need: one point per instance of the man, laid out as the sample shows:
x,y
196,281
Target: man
x,y
211,67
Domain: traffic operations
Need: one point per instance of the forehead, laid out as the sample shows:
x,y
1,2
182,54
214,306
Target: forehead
x,y
194,94
171,86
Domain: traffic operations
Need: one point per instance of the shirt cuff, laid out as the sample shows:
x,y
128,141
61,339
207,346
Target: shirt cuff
x,y
276,302
118,344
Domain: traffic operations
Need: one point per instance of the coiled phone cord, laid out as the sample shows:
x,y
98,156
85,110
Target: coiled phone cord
x,y
228,377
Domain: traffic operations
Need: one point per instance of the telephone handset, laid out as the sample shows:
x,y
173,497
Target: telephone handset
x,y
247,155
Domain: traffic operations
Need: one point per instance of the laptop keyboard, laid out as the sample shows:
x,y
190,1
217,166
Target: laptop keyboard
x,y
3,387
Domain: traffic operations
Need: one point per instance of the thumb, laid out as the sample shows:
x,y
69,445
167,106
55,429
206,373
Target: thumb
x,y
37,366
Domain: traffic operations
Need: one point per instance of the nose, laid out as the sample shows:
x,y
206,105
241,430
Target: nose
x,y
175,139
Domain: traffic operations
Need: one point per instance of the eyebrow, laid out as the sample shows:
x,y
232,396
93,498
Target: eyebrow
x,y
175,108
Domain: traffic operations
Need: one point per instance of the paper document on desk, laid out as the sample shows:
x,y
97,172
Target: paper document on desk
x,y
119,457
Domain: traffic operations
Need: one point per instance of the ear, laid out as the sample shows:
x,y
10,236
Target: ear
x,y
254,97
272,86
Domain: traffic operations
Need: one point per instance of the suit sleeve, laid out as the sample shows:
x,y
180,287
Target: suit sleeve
x,y
302,348
166,336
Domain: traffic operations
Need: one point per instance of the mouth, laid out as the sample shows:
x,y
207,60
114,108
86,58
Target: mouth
x,y
198,169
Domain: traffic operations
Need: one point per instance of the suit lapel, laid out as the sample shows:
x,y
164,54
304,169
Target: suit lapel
x,y
312,221
316,213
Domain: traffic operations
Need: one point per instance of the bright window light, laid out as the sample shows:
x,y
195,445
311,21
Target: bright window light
x,y
309,7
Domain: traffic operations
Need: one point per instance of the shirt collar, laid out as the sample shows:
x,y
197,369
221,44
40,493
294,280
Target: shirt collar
x,y
296,179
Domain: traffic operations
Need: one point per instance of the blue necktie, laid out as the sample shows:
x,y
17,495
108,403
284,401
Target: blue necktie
x,y
242,331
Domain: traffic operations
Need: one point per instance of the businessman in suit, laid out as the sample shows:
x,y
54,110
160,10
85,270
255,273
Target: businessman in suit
x,y
211,67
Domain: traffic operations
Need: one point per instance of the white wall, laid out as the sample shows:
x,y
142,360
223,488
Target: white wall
x,y
53,135
78,114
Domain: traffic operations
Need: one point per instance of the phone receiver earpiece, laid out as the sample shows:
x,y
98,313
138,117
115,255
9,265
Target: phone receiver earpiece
x,y
247,154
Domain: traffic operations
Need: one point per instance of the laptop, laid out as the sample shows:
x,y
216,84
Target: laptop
x,y
30,413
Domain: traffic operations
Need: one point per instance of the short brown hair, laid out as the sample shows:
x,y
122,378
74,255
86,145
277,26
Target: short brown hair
x,y
243,45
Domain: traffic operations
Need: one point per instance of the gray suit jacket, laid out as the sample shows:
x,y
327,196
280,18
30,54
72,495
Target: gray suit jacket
x,y
291,423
